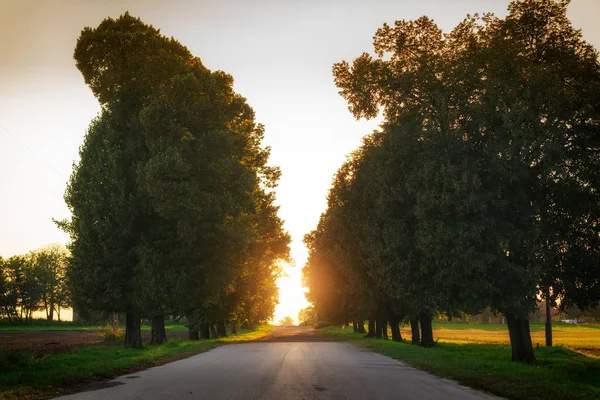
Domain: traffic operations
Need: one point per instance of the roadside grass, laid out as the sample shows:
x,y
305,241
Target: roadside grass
x,y
23,376
559,372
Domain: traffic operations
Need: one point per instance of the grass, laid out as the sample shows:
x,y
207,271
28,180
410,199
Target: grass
x,y
559,373
25,377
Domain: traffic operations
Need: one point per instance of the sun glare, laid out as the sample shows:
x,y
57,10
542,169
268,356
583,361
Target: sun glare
x,y
291,294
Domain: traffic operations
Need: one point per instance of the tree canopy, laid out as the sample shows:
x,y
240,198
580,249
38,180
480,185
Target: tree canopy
x,y
481,189
172,201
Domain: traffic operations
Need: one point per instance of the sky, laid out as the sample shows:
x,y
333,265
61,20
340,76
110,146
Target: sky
x,y
280,53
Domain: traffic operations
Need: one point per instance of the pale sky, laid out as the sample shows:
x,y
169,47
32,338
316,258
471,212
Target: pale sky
x,y
280,54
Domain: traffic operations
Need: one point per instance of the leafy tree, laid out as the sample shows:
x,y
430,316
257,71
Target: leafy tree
x,y
286,321
503,186
49,267
166,199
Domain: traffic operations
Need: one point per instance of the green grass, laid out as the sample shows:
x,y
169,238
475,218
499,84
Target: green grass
x,y
559,373
26,377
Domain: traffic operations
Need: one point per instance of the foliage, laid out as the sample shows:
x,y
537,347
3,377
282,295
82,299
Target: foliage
x,y
33,282
481,188
286,321
172,201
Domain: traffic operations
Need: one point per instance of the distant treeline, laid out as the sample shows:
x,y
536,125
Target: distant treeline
x,y
482,187
34,282
173,199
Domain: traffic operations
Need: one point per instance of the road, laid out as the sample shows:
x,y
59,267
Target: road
x,y
292,363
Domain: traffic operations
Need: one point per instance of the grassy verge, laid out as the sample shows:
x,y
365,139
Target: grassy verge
x,y
559,373
26,377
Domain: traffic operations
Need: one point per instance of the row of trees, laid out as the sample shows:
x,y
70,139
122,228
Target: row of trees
x,y
172,201
34,282
481,189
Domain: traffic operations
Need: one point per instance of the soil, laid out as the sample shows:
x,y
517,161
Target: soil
x,y
52,342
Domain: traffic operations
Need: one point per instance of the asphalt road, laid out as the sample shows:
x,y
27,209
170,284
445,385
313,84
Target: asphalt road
x,y
293,363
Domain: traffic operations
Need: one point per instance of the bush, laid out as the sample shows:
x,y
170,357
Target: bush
x,y
110,333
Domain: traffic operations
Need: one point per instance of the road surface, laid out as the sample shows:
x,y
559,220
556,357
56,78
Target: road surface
x,y
292,363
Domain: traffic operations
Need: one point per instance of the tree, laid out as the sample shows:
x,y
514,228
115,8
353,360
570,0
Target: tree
x,y
49,267
307,316
286,321
168,190
505,177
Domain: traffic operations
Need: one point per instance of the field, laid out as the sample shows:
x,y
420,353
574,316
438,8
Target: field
x,y
43,337
583,338
479,356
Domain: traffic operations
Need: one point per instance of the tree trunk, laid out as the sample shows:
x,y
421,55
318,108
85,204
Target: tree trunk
x,y
192,333
213,332
520,339
159,334
354,326
204,331
371,332
395,325
378,328
51,316
414,328
221,331
133,332
233,329
548,320
58,313
361,327
426,329
384,328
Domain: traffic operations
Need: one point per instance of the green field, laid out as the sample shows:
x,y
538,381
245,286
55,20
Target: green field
x,y
559,373
23,376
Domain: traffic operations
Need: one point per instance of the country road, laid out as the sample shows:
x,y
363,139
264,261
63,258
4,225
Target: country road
x,y
292,363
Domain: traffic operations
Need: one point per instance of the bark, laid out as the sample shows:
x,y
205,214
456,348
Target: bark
x,y
361,327
378,328
395,325
159,334
520,339
221,331
426,329
213,332
384,328
354,326
192,334
548,320
133,332
414,328
204,331
233,329
371,332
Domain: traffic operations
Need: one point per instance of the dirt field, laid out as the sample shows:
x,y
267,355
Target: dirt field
x,y
44,342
